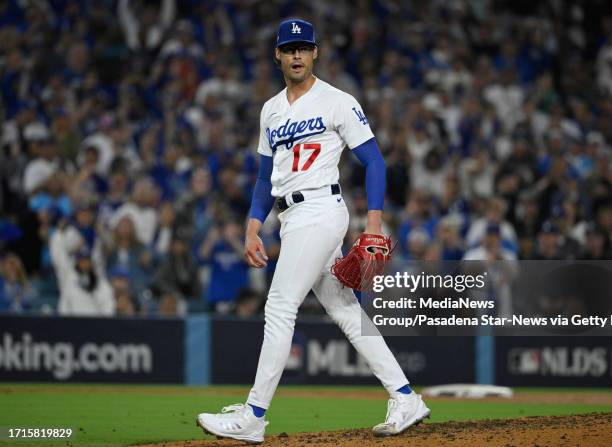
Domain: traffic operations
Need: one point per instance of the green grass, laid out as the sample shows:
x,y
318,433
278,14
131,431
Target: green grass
x,y
123,415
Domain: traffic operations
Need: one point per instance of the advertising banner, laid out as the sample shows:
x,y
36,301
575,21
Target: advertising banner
x,y
91,350
321,354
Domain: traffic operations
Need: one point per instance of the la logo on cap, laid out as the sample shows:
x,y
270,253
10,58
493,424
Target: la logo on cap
x,y
295,29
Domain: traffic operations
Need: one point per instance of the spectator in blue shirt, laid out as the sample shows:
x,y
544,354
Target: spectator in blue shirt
x,y
223,250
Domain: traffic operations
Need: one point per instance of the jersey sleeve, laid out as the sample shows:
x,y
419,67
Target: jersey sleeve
x,y
351,123
263,147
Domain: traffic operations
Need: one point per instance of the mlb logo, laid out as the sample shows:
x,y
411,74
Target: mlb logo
x,y
524,361
295,362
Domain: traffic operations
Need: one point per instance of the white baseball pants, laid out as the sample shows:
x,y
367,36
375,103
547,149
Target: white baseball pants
x,y
311,239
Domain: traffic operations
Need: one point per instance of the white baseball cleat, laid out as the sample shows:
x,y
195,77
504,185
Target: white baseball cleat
x,y
403,411
236,422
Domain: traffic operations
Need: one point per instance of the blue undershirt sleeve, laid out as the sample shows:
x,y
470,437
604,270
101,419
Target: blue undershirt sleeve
x,y
262,200
376,174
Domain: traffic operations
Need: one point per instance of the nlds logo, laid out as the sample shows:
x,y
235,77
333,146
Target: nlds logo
x,y
558,362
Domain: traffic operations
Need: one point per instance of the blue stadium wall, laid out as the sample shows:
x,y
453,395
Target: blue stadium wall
x,y
201,350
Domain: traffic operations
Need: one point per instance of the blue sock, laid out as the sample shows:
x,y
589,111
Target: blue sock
x,y
258,411
405,389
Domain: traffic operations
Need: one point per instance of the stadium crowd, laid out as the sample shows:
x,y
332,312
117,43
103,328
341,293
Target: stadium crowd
x,y
129,131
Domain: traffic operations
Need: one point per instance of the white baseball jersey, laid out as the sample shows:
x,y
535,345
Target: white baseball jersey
x,y
307,137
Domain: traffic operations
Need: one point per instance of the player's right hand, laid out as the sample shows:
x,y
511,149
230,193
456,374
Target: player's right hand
x,y
254,251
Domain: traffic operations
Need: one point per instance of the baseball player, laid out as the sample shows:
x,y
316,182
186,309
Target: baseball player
x,y
303,130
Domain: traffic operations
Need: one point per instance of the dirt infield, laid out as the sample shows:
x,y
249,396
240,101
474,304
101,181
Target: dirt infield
x,y
590,430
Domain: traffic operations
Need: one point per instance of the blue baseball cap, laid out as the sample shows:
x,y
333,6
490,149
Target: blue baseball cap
x,y
295,30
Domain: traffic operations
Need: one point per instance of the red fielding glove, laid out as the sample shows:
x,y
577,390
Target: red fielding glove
x,y
366,259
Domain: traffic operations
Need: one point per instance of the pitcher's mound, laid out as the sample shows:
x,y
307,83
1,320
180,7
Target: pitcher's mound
x,y
588,430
